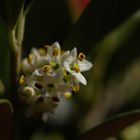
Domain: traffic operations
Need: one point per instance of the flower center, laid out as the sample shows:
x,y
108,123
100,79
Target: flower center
x,y
75,67
81,56
56,52
46,68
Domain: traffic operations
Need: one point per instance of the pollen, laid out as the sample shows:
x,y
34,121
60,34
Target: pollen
x,y
75,67
22,80
76,88
56,52
81,56
46,68
30,58
42,51
67,95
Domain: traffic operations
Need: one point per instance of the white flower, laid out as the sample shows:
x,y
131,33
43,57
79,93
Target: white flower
x,y
29,63
75,65
48,75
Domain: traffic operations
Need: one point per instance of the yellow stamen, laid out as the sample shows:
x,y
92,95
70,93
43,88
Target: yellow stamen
x,y
52,63
30,58
67,95
76,88
46,68
56,52
42,51
75,67
81,56
22,80
64,72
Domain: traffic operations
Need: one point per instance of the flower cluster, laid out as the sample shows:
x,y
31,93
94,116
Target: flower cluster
x,y
50,74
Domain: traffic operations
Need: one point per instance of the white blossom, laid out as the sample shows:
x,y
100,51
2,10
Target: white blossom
x,y
50,74
75,66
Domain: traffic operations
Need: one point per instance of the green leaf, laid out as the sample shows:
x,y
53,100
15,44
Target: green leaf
x,y
4,57
6,120
27,5
99,18
112,126
115,40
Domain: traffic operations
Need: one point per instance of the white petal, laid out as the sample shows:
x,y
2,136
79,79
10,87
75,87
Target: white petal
x,y
36,55
67,67
65,56
73,56
29,91
84,65
25,66
38,72
56,58
74,53
56,44
80,77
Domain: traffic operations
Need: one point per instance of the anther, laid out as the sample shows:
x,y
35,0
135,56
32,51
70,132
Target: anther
x,y
56,52
75,67
81,56
30,58
46,68
76,88
22,80
67,95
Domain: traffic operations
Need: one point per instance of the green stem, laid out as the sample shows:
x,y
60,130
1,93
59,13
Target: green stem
x,y
14,65
15,37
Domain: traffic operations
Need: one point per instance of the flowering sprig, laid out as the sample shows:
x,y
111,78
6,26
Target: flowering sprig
x,y
50,74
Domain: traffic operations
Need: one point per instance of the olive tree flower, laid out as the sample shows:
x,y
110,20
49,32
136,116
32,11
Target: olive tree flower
x,y
50,74
76,64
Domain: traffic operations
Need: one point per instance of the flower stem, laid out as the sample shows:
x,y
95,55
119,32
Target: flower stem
x,y
15,37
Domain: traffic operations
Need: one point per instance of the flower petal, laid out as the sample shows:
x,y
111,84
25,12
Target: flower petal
x,y
74,53
73,56
80,77
26,67
84,65
56,44
66,66
65,56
